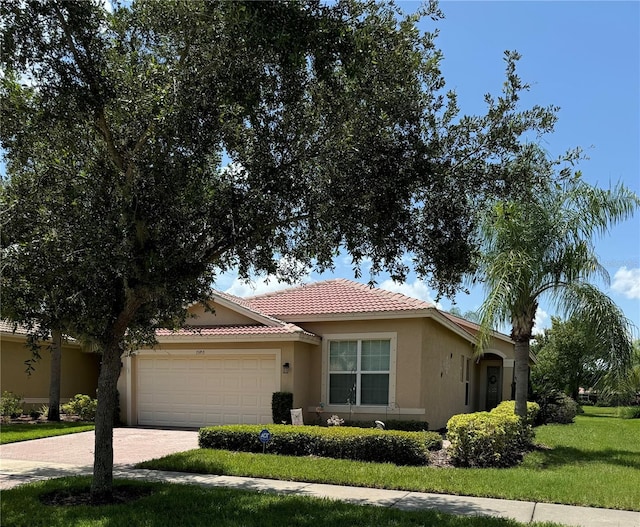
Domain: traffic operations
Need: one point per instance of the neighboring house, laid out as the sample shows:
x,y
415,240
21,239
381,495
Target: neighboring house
x,y
79,368
339,346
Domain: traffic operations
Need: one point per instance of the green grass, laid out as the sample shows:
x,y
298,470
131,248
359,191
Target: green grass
x,y
25,432
187,505
593,462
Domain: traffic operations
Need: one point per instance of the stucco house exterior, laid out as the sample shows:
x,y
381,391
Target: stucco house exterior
x,y
339,346
79,368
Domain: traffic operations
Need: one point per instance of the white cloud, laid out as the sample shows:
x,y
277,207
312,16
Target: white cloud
x,y
418,289
541,321
627,282
256,286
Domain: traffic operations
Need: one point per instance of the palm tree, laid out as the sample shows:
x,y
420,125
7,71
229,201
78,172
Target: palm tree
x,y
543,247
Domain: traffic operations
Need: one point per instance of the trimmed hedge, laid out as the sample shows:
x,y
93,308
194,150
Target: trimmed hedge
x,y
393,424
491,439
359,444
281,405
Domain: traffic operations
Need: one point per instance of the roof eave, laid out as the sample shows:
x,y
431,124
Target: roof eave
x,y
274,337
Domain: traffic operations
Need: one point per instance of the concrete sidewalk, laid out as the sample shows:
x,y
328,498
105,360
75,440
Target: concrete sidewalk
x,y
14,472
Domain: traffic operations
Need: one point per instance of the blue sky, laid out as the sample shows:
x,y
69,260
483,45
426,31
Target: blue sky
x,y
581,56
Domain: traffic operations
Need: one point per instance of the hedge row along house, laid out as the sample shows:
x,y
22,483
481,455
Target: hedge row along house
x,y
341,347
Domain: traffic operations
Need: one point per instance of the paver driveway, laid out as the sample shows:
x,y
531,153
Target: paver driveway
x,y
74,452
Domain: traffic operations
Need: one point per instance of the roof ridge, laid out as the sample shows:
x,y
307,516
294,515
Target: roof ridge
x,y
305,285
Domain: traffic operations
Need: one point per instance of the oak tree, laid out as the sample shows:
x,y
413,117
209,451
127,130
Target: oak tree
x,y
151,147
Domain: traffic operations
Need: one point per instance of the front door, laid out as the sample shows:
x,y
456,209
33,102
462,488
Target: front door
x,y
493,387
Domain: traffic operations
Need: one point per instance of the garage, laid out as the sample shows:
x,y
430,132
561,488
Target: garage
x,y
177,390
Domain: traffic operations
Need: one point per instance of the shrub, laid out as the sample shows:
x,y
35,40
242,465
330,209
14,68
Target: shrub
x,y
393,424
533,409
526,435
432,440
486,439
382,446
556,407
281,405
81,405
10,405
629,412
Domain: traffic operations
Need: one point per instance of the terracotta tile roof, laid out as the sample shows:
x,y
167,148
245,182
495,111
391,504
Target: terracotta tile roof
x,y
471,327
333,297
465,324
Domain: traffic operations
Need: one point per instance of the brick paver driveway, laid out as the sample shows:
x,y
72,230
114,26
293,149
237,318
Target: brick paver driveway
x,y
75,451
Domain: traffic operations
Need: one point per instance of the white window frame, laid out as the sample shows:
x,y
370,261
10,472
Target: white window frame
x,y
327,339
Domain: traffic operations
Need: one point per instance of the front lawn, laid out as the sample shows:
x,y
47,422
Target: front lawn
x,y
181,505
594,462
12,433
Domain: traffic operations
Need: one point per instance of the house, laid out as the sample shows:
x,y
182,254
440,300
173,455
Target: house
x,y
339,346
79,368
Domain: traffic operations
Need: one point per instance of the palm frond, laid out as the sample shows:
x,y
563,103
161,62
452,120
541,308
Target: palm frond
x,y
608,325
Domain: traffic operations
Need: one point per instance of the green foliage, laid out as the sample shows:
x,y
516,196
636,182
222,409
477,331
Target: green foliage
x,y
509,407
629,412
491,439
81,405
557,407
381,446
281,405
10,405
394,424
570,356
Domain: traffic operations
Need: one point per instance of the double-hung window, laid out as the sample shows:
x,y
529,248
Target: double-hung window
x,y
359,372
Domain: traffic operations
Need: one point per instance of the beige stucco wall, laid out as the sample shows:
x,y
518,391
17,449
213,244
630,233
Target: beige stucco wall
x,y
443,374
300,355
431,367
79,372
409,334
221,316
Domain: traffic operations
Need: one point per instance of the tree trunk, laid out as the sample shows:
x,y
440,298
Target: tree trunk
x,y
101,486
55,374
522,376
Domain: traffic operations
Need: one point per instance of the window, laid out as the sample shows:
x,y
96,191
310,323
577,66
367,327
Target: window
x,y
466,385
359,372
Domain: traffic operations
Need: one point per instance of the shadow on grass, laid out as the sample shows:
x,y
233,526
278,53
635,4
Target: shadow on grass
x,y
562,456
178,505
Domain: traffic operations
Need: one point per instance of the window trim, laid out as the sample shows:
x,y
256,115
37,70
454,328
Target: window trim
x,y
392,337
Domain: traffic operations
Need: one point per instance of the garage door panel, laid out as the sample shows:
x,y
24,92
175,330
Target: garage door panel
x,y
201,391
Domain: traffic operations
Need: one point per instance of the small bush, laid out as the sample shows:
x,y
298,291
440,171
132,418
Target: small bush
x,y
490,439
381,446
629,412
556,407
10,405
83,406
281,405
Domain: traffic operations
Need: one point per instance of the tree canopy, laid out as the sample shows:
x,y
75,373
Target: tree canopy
x,y
569,357
152,147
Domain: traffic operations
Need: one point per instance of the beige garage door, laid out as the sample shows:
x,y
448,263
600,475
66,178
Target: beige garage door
x,y
199,391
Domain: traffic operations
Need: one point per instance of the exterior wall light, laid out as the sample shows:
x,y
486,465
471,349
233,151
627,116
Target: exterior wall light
x,y
285,367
